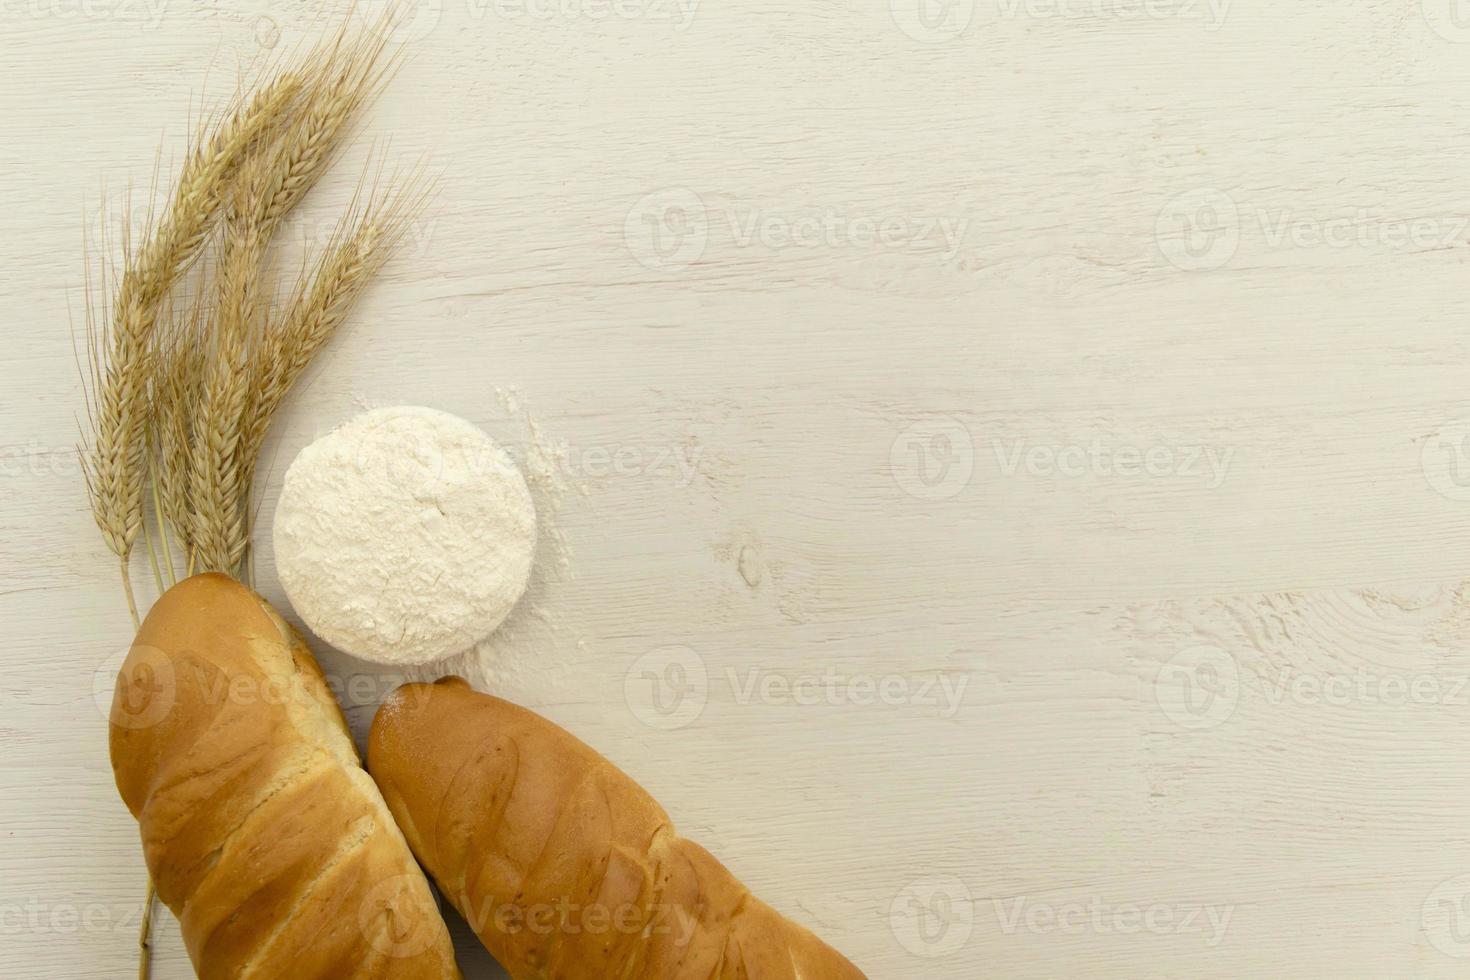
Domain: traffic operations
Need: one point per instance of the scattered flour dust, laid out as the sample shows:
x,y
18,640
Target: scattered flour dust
x,y
404,536
501,662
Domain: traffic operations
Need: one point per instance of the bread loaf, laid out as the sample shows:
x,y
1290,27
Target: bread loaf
x,y
262,831
564,867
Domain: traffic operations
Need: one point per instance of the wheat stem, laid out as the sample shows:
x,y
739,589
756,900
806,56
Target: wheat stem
x,y
145,930
153,559
127,582
167,545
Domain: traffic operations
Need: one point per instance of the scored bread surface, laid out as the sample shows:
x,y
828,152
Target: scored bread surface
x,y
261,830
565,867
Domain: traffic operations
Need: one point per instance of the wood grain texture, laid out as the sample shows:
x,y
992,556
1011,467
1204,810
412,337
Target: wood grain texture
x,y
1104,361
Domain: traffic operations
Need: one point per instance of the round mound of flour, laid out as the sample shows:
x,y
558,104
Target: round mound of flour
x,y
404,536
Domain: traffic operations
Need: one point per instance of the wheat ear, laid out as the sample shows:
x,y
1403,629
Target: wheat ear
x,y
173,394
117,459
177,383
271,183
323,298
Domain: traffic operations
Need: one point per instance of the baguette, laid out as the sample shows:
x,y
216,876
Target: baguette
x,y
262,831
565,867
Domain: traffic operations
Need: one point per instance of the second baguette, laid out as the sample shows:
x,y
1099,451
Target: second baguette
x,y
565,867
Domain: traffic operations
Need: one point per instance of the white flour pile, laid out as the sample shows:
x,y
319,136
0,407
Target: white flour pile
x,y
405,536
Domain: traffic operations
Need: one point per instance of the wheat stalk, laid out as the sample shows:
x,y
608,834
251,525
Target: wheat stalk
x,y
123,357
275,179
271,183
353,76
116,462
218,534
177,384
177,405
359,247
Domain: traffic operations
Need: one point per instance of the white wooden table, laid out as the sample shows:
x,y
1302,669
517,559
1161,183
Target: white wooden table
x,y
1016,480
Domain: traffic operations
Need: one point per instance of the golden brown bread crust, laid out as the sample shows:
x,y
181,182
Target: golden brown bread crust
x,y
262,832
563,865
